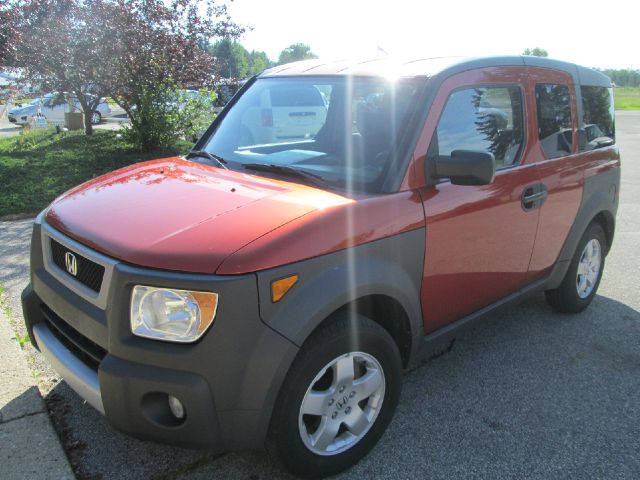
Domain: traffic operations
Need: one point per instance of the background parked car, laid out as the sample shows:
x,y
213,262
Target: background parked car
x,y
53,107
284,113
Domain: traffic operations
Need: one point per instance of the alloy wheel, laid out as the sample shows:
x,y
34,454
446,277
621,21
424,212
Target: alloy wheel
x,y
341,404
588,268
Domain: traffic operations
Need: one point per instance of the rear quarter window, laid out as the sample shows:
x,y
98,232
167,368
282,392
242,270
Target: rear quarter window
x,y
598,118
553,103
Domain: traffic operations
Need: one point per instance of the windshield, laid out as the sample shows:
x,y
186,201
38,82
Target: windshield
x,y
53,100
47,100
343,130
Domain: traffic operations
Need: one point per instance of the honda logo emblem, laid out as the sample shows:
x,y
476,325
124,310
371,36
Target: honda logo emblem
x,y
71,262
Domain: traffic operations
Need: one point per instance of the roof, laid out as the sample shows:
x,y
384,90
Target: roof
x,y
430,67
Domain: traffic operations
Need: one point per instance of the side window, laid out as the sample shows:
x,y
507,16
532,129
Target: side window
x,y
487,119
598,129
553,103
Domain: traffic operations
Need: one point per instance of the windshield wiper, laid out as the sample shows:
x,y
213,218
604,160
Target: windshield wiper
x,y
211,156
312,178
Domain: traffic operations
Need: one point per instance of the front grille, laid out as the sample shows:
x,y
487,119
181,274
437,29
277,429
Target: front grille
x,y
86,350
88,273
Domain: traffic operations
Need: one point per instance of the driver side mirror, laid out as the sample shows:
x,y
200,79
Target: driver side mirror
x,y
465,167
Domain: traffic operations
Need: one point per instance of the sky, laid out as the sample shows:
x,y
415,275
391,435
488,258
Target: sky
x,y
590,33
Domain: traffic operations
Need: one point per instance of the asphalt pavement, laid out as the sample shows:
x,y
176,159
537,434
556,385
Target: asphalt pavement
x,y
7,128
527,394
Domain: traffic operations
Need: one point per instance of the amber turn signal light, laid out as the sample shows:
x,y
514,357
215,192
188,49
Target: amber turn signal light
x,y
281,286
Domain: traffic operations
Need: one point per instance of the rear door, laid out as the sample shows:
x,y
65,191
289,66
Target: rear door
x,y
479,238
559,164
54,107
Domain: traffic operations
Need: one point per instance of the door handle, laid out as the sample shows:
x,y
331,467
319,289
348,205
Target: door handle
x,y
534,196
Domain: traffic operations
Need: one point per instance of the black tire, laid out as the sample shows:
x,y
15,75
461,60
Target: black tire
x,y
566,298
96,118
330,342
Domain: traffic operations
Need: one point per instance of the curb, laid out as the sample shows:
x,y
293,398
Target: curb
x,y
117,120
29,446
12,217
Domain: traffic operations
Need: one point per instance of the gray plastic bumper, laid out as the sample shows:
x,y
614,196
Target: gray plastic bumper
x,y
77,375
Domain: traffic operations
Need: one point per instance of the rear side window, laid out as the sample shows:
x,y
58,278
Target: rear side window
x,y
486,119
598,128
553,103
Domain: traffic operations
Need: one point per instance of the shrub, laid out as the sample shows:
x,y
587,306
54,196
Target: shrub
x,y
166,115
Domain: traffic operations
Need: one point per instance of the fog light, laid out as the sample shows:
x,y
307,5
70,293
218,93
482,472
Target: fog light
x,y
176,407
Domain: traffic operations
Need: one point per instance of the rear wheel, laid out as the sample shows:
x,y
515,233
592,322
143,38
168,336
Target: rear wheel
x,y
581,281
338,398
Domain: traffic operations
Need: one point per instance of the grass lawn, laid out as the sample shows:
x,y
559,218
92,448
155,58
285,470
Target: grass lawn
x,y
627,98
38,166
21,100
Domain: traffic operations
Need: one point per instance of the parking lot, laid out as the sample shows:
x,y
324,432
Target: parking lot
x,y
528,394
113,122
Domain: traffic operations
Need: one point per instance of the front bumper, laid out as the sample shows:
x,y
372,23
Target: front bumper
x,y
80,377
227,381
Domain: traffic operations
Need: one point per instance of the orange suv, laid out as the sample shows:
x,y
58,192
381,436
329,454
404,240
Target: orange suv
x,y
269,288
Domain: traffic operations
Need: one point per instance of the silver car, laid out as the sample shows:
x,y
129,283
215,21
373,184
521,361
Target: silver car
x,y
53,106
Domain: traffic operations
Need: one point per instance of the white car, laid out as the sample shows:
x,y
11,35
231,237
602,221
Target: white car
x,y
284,113
53,106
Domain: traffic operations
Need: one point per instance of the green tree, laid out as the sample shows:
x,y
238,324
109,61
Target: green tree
x,y
258,62
58,50
536,52
8,32
134,51
231,59
295,52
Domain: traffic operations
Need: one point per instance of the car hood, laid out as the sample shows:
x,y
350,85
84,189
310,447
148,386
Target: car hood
x,y
26,110
180,215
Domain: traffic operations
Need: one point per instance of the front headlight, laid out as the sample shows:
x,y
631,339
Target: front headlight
x,y
171,315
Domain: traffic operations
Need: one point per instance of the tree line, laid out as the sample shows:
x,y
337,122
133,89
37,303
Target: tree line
x,y
625,77
232,60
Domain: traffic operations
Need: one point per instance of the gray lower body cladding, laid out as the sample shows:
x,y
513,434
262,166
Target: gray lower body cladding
x,y
391,267
600,196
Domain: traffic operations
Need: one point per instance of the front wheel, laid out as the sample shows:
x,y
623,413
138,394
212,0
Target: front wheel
x,y
96,118
338,398
581,281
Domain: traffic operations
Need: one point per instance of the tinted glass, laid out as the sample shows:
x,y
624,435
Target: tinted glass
x,y
598,118
344,130
554,119
487,119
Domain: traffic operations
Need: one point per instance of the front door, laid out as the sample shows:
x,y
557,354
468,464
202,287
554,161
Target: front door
x,y
479,238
